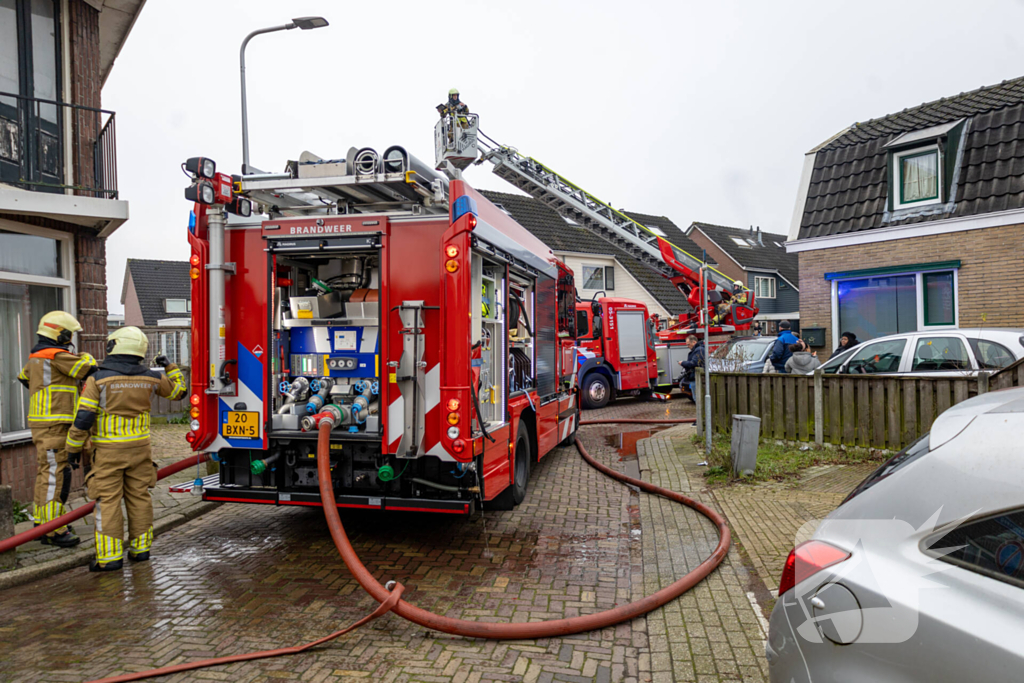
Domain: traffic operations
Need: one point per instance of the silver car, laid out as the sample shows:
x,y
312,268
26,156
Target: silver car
x,y
951,352
919,574
742,354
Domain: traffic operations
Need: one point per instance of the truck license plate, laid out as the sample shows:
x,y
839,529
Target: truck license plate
x,y
241,424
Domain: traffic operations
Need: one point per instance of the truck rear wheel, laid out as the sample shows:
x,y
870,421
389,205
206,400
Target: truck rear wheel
x,y
597,391
516,492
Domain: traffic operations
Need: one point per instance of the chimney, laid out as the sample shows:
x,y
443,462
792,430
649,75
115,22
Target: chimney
x,y
760,243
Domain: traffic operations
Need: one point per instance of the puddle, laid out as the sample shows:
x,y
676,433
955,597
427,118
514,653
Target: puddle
x,y
625,442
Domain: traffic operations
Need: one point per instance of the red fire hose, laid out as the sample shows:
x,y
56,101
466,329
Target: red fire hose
x,y
533,630
391,599
43,529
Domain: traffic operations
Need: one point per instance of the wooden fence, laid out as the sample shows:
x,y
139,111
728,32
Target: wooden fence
x,y
163,407
853,410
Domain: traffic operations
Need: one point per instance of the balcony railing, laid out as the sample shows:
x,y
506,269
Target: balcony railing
x,y
34,146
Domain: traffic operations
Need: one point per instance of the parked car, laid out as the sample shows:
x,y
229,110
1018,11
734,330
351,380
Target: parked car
x,y
919,574
741,354
954,352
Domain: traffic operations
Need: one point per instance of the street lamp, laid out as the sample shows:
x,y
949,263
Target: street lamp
x,y
304,23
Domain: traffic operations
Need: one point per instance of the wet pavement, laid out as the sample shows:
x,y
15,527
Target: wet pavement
x,y
245,578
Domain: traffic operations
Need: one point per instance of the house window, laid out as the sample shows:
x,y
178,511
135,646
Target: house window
x,y
917,175
742,242
609,278
657,231
939,303
593,277
177,305
764,287
30,130
33,281
885,303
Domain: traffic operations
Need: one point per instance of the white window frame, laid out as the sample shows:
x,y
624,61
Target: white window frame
x,y
656,230
583,277
740,242
757,282
897,180
186,309
919,286
67,283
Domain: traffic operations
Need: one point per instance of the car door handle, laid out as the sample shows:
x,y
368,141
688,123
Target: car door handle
x,y
817,602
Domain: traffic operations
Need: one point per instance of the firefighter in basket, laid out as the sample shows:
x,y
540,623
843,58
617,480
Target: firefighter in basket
x,y
52,376
116,399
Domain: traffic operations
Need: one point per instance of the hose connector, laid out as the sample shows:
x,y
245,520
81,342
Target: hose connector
x,y
298,387
330,414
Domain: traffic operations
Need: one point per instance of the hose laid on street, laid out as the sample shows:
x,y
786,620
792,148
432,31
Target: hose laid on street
x,y
531,630
43,529
381,610
391,599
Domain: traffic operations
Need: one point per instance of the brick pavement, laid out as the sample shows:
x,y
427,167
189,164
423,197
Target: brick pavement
x,y
169,509
252,577
769,519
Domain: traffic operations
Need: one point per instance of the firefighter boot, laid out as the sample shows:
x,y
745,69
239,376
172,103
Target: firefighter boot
x,y
109,552
138,548
68,539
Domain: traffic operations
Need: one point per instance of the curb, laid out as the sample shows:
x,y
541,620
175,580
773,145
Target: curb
x,y
84,556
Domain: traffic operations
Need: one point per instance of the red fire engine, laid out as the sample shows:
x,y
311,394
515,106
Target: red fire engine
x,y
623,357
430,329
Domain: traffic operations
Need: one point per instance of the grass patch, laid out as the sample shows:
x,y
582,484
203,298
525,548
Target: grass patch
x,y
777,461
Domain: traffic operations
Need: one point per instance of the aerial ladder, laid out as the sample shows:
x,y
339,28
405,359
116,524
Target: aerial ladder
x,y
459,143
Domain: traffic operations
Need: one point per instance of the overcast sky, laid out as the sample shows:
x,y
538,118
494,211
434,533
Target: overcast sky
x,y
696,111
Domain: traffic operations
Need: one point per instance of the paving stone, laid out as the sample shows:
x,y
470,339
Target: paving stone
x,y
243,578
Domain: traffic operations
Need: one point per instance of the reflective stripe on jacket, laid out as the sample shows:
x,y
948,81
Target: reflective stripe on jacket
x,y
117,401
52,376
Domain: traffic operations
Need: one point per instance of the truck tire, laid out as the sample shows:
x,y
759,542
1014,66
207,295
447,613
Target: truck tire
x,y
516,491
597,391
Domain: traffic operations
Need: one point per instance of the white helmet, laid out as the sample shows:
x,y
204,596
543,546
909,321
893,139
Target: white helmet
x,y
130,341
58,326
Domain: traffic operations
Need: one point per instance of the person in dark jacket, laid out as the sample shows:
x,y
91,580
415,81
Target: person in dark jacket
x,y
690,365
780,350
846,341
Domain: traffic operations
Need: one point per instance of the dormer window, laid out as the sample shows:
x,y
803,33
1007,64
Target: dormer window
x,y
923,167
919,177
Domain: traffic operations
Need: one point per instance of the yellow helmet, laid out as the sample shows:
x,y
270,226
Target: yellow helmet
x,y
58,326
130,341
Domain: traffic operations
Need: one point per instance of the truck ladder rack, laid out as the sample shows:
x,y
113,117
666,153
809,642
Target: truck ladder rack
x,y
377,193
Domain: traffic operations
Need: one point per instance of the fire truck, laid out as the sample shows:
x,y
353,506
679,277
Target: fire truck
x,y
621,352
433,332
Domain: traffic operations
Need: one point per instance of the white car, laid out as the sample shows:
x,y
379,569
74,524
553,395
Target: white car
x,y
954,353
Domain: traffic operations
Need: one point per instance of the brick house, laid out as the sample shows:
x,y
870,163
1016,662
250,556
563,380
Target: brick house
x,y
915,221
761,262
597,264
157,298
58,189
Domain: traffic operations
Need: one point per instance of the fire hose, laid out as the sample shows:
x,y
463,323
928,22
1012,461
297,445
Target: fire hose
x,y
390,598
43,529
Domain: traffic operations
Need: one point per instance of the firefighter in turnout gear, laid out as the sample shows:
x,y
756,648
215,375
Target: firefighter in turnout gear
x,y
116,401
52,376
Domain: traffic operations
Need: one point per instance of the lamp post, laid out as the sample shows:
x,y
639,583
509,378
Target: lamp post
x,y
306,24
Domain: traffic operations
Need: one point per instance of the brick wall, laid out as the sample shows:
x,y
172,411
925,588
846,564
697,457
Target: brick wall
x,y
18,470
84,22
991,279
